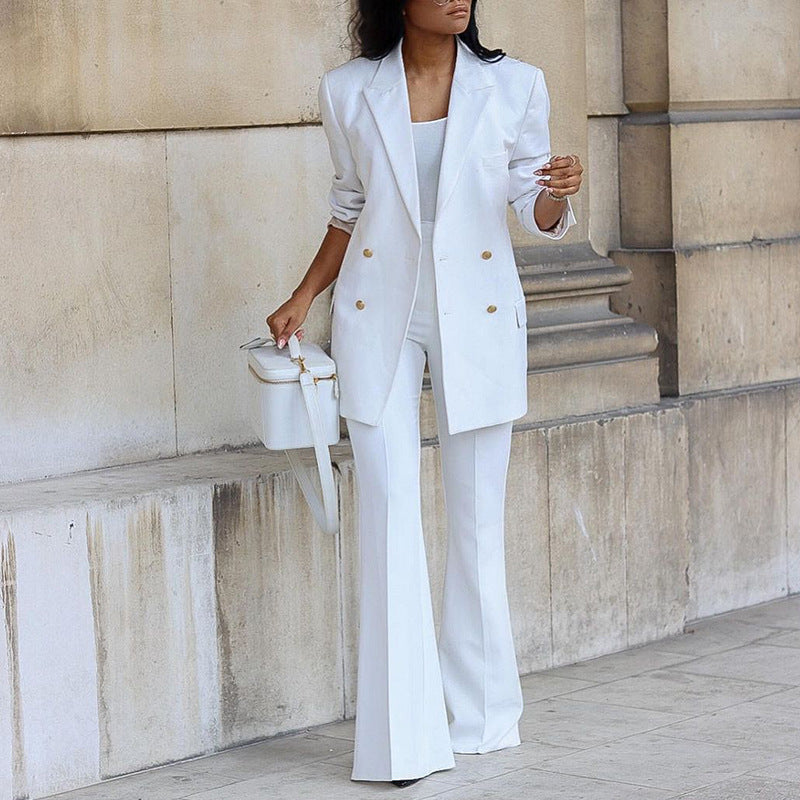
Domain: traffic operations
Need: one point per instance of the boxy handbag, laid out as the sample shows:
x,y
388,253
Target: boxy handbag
x,y
295,405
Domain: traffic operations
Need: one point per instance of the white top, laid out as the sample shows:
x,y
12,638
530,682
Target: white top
x,y
428,144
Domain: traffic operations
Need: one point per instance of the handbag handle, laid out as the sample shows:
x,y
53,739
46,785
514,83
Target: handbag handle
x,y
325,510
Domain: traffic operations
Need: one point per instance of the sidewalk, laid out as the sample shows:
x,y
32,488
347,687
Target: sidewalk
x,y
712,714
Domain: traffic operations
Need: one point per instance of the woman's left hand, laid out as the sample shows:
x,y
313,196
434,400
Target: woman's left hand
x,y
565,175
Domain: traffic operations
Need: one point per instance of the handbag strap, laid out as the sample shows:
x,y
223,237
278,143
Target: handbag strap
x,y
324,509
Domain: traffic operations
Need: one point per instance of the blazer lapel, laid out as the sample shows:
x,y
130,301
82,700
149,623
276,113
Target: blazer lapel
x,y
387,97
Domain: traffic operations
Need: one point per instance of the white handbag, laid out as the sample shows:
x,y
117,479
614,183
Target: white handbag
x,y
295,404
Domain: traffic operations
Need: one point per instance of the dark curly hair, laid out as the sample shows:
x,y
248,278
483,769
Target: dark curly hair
x,y
376,26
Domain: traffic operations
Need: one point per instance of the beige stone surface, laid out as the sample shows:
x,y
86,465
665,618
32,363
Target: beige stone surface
x,y
734,53
645,193
723,189
793,486
587,538
604,87
156,606
50,736
645,58
210,234
602,387
151,568
737,500
656,516
85,314
277,605
738,320
180,605
133,65
650,298
528,550
247,214
603,166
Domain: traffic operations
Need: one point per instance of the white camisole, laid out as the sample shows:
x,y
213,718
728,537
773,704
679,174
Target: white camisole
x,y
428,144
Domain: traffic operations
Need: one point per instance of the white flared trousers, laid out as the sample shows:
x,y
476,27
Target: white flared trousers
x,y
406,682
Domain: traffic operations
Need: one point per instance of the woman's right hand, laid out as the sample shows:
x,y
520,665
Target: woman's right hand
x,y
287,318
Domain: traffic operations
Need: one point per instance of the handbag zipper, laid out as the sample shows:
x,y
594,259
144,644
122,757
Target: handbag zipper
x,y
331,377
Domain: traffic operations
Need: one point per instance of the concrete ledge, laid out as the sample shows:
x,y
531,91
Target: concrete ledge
x,y
173,608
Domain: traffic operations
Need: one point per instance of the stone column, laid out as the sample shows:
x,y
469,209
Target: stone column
x,y
585,355
709,163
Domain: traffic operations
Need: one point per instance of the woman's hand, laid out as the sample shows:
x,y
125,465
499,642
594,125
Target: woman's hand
x,y
564,176
287,318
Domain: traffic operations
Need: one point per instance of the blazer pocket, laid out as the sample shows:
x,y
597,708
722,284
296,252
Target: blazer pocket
x,y
495,160
522,314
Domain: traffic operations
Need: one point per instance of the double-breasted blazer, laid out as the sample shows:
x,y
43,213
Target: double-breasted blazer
x,y
496,136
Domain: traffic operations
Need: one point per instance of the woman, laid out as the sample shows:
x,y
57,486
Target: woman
x,y
431,136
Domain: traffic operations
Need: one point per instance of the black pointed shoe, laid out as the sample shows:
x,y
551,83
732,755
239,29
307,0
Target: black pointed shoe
x,y
407,781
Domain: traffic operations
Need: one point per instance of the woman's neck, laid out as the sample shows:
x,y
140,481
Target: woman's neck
x,y
428,55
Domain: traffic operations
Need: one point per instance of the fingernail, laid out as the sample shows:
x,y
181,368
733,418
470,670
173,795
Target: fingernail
x,y
538,172
546,165
281,342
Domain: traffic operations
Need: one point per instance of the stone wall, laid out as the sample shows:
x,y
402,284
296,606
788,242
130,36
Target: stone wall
x,y
166,181
167,609
165,592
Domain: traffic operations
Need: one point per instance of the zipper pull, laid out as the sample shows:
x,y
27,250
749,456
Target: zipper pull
x,y
259,341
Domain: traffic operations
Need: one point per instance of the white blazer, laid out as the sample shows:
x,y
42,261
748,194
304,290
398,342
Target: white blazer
x,y
495,137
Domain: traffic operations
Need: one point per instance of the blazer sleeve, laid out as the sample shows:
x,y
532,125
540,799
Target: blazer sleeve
x,y
532,150
346,195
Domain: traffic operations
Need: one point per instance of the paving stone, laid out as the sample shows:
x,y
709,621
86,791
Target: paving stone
x,y
783,638
781,613
748,788
663,762
675,691
747,725
788,770
568,723
312,782
613,666
787,698
540,784
275,755
705,637
756,662
172,782
541,685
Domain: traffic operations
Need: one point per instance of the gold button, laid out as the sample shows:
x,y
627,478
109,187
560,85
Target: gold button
x,y
491,309
486,254
359,304
367,252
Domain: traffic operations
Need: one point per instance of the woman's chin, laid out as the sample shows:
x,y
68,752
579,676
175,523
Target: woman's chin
x,y
458,25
